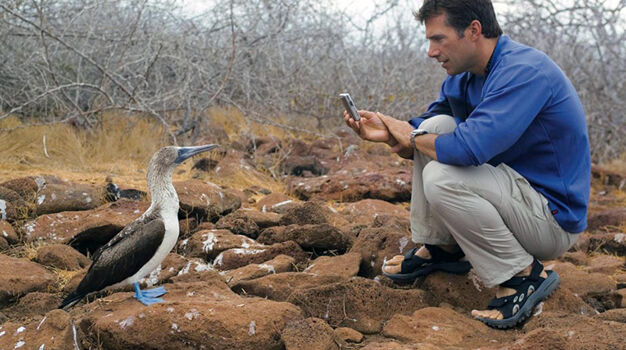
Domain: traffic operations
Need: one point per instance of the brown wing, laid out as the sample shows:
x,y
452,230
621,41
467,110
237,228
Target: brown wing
x,y
123,256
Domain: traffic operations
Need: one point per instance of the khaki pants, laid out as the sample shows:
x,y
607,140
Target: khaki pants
x,y
492,213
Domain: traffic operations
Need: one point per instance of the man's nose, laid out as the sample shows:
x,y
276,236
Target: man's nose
x,y
433,52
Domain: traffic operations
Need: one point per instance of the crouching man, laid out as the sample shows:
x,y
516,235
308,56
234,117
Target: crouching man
x,y
501,159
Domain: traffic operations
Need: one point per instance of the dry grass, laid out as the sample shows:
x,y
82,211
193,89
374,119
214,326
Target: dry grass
x,y
120,147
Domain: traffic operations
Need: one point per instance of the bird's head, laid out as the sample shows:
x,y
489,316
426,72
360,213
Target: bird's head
x,y
167,158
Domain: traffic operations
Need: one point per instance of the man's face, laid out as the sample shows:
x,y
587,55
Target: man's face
x,y
455,54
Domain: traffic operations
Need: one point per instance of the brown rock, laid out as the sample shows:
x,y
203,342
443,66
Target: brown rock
x,y
281,285
581,332
311,333
207,225
615,315
391,222
205,200
606,264
313,212
208,244
56,198
4,245
389,185
20,277
193,315
392,345
455,289
304,214
622,297
344,266
609,243
248,221
25,187
582,283
348,335
85,230
300,165
543,339
281,263
608,177
358,303
62,257
441,327
321,237
198,271
241,225
8,210
52,332
367,210
377,244
264,145
238,257
563,300
275,202
621,280
32,304
7,232
576,258
605,218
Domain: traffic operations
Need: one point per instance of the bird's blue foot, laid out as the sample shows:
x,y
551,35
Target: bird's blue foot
x,y
154,292
149,296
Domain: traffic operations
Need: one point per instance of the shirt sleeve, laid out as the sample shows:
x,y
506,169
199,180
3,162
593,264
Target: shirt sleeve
x,y
439,106
512,101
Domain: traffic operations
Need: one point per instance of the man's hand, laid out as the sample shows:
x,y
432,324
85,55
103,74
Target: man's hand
x,y
401,132
370,127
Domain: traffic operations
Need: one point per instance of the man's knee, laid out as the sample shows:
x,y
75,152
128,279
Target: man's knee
x,y
438,179
439,124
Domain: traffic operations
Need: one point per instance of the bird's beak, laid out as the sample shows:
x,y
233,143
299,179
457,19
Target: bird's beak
x,y
187,152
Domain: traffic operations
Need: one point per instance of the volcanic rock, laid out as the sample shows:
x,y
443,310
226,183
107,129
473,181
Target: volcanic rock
x,y
193,315
21,276
322,237
281,263
311,333
205,200
238,257
62,257
208,244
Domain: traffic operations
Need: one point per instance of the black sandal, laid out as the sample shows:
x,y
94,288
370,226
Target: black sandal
x,y
530,291
414,266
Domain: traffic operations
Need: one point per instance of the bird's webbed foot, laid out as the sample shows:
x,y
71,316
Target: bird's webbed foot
x,y
149,296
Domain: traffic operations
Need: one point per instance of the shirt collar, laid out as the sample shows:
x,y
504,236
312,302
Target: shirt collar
x,y
496,53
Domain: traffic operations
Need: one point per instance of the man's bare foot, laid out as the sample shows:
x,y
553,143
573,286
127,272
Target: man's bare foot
x,y
503,292
394,265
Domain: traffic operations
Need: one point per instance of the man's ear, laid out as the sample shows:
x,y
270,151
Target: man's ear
x,y
474,30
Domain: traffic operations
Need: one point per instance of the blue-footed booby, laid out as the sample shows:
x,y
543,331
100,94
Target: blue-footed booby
x,y
142,245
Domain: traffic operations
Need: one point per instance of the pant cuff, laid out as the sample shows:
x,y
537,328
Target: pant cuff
x,y
495,280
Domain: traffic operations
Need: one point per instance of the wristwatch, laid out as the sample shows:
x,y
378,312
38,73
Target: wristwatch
x,y
415,133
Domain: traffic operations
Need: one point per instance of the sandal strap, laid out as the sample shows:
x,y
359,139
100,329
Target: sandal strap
x,y
412,261
439,255
517,281
522,286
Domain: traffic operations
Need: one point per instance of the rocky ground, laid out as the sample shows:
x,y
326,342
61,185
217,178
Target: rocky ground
x,y
298,270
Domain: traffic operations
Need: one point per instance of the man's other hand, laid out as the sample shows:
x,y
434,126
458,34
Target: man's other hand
x,y
370,127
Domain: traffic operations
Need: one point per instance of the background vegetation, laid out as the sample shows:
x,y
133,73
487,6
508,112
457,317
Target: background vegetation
x,y
75,62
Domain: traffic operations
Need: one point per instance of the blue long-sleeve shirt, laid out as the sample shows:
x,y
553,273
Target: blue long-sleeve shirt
x,y
525,113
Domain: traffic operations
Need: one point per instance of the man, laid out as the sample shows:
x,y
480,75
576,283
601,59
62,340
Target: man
x,y
501,162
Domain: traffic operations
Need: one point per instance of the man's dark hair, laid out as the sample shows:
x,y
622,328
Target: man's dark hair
x,y
460,13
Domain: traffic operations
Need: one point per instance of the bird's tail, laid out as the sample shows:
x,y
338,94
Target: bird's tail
x,y
71,299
